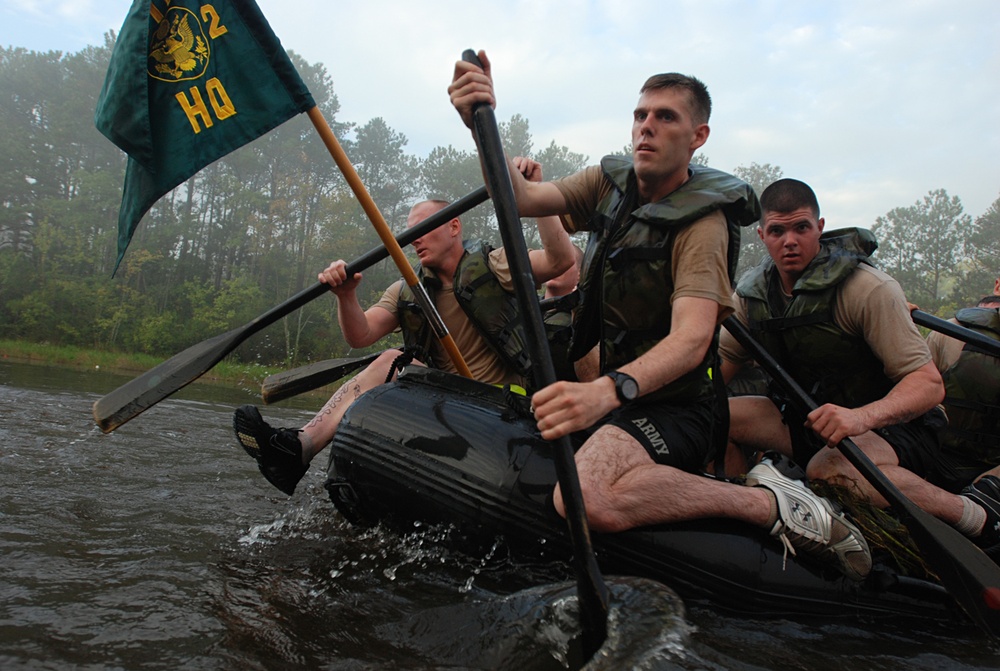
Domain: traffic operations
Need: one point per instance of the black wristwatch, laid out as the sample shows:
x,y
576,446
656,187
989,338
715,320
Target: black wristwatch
x,y
626,388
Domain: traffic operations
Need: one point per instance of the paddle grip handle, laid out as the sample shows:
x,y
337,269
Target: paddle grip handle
x,y
469,56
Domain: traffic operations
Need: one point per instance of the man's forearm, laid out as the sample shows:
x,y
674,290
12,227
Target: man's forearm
x,y
912,396
353,322
692,329
557,250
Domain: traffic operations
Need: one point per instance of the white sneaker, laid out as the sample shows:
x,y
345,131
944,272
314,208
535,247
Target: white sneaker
x,y
810,523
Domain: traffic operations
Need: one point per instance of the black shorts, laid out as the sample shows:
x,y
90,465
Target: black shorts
x,y
673,435
915,444
952,472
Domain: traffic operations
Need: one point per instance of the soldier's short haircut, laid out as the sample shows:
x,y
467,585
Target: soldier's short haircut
x,y
701,102
788,195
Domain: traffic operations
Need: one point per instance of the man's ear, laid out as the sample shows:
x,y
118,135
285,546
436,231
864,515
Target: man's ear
x,y
700,137
820,224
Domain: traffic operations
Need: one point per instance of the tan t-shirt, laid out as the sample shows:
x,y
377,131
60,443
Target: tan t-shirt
x,y
869,304
482,360
699,264
944,350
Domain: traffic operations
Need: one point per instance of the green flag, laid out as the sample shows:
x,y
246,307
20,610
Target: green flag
x,y
189,82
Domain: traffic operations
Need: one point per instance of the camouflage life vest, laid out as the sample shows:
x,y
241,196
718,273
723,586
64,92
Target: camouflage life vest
x,y
972,393
557,317
626,278
832,365
492,310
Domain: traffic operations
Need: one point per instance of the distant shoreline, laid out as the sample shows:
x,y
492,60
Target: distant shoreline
x,y
117,362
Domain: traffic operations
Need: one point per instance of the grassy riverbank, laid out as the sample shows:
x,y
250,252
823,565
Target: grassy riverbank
x,y
117,362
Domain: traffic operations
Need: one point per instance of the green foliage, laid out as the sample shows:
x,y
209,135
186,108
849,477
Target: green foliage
x,y
983,251
921,246
256,227
516,136
449,174
752,250
558,161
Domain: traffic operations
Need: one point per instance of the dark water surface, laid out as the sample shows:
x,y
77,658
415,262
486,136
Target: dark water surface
x,y
159,546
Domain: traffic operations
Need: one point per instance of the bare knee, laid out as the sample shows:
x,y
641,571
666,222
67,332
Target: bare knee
x,y
830,465
605,465
385,360
601,517
820,466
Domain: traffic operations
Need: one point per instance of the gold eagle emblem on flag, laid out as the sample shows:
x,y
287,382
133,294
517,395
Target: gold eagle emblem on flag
x,y
178,51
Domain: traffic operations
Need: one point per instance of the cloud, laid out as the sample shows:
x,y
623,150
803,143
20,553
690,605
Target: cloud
x,y
874,103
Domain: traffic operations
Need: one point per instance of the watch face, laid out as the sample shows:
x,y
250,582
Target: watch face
x,y
630,388
626,388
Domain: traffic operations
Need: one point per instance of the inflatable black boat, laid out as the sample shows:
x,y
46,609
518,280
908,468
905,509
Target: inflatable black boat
x,y
438,448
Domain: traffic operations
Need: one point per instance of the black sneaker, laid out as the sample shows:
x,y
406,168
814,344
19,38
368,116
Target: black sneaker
x,y
986,493
278,451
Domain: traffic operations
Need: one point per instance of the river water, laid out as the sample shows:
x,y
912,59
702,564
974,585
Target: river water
x,y
159,546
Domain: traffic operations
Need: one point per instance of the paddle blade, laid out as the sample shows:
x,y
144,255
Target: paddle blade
x,y
971,577
135,396
288,383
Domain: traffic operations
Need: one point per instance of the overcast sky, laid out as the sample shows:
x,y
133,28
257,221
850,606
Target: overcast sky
x,y
873,102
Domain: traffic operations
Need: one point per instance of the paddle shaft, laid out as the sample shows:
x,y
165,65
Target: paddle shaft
x,y
420,294
592,592
148,389
957,331
971,577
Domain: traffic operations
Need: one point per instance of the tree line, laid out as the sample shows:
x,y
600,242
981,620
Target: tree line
x,y
252,229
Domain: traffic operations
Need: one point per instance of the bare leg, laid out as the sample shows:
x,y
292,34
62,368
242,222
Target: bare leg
x,y
755,424
318,433
623,488
830,465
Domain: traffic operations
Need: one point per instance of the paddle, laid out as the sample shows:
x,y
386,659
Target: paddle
x,y
957,331
971,577
135,396
591,590
288,383
395,250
